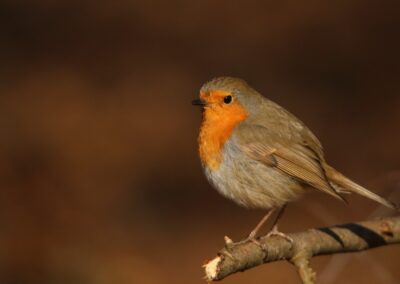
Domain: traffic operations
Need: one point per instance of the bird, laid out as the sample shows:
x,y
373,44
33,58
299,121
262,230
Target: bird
x,y
259,155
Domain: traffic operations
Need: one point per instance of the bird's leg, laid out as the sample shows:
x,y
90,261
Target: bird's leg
x,y
254,232
274,231
252,236
278,217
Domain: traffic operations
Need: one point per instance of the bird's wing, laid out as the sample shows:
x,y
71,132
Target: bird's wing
x,y
294,159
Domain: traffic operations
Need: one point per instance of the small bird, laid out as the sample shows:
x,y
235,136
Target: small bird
x,y
259,155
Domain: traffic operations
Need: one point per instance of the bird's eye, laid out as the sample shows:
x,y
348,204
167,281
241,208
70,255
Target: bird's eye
x,y
228,99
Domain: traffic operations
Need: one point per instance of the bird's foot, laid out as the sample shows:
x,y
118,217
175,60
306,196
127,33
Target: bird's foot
x,y
229,243
252,238
276,232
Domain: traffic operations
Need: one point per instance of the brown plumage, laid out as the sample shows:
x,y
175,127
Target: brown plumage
x,y
260,155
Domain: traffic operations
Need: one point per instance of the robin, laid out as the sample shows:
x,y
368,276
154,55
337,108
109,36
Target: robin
x,y
259,155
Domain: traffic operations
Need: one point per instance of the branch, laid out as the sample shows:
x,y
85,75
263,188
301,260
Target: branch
x,y
351,237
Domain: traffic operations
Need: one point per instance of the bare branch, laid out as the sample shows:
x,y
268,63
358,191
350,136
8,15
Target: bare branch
x,y
351,237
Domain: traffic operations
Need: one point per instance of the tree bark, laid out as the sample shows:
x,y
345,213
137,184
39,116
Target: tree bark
x,y
353,237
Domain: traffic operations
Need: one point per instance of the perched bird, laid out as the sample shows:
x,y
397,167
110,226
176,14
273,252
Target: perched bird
x,y
259,155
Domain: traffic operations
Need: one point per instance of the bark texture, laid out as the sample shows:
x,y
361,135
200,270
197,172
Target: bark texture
x,y
353,237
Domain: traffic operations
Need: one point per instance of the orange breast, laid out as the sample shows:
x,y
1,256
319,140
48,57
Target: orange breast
x,y
217,126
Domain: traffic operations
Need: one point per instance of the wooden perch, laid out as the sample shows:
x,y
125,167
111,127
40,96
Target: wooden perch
x,y
351,237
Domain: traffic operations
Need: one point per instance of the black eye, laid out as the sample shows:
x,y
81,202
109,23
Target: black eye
x,y
227,99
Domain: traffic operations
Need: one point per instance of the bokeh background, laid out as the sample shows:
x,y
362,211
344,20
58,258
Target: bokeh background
x,y
99,175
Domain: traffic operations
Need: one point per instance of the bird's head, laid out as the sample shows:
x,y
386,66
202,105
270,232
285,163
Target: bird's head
x,y
228,98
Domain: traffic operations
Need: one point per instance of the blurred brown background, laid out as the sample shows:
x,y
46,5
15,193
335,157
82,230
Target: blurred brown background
x,y
100,179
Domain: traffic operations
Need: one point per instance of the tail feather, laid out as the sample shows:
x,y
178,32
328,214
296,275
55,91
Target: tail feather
x,y
351,186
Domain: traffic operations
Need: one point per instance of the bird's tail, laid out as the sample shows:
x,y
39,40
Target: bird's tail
x,y
350,186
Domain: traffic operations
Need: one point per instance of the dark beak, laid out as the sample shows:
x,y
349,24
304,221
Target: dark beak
x,y
198,102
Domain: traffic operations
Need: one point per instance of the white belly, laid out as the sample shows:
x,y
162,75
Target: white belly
x,y
250,183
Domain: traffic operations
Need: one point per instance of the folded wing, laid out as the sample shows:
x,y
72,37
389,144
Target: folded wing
x,y
294,159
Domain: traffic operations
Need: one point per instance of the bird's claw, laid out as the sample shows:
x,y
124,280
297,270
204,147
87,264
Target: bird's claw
x,y
251,238
276,232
